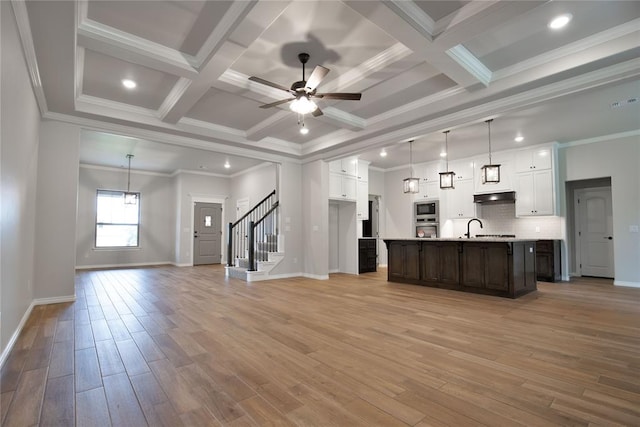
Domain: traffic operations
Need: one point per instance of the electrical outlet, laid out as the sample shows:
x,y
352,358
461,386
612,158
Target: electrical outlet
x,y
537,229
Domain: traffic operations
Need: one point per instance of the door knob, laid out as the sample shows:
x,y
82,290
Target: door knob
x,y
608,238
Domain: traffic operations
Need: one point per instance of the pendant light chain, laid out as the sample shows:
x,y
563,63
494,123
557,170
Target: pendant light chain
x,y
489,126
411,159
129,156
446,148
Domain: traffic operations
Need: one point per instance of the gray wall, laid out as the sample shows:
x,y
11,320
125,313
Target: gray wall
x,y
620,160
291,220
192,186
377,188
254,185
19,123
315,223
56,207
156,220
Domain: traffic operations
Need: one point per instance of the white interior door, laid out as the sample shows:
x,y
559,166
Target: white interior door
x,y
595,231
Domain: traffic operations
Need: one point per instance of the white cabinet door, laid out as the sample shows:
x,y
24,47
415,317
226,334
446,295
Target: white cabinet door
x,y
362,203
543,191
463,169
533,159
460,200
363,171
335,186
534,195
350,187
427,190
347,166
524,194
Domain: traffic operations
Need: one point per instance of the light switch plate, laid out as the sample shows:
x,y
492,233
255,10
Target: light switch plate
x,y
633,228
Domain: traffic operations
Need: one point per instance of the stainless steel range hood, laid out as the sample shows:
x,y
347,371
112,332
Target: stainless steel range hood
x,y
504,197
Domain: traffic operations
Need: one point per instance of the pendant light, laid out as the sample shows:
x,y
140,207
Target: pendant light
x,y
446,178
129,197
411,184
490,172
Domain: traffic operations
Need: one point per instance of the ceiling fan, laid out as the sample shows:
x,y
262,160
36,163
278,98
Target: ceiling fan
x,y
303,90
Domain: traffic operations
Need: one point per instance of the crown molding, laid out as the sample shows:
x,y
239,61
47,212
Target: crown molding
x,y
570,49
603,138
128,47
252,169
203,173
117,110
167,138
24,29
469,62
123,170
466,12
414,16
351,120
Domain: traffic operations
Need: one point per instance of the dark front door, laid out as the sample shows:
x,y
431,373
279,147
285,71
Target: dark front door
x,y
207,232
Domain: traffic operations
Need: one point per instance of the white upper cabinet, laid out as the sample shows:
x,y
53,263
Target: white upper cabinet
x,y
429,181
363,171
348,166
362,202
460,200
463,169
534,159
534,193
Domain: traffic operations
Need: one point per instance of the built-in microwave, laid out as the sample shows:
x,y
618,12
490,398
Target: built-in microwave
x,y
426,211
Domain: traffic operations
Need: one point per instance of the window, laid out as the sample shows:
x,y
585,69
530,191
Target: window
x,y
117,223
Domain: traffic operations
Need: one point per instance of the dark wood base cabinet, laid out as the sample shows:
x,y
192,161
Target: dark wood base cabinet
x,y
548,260
367,255
506,269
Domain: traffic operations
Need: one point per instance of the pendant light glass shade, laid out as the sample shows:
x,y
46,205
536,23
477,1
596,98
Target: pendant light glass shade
x,y
411,185
446,178
129,197
490,172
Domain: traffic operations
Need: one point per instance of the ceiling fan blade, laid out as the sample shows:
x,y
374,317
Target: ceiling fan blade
x,y
268,83
317,112
273,104
345,96
316,77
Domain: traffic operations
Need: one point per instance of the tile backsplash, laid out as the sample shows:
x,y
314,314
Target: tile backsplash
x,y
501,219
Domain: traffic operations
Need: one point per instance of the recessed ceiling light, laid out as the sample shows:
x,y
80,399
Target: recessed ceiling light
x,y
129,84
560,21
443,154
304,130
227,165
519,138
383,153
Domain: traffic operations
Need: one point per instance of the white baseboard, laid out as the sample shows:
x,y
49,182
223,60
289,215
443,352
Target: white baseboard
x,y
138,264
182,264
382,265
25,316
54,300
315,276
627,284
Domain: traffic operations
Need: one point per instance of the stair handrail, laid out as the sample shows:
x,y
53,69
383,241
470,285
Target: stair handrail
x,y
254,208
273,208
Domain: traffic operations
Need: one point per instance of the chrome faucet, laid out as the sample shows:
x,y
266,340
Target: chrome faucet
x,y
468,234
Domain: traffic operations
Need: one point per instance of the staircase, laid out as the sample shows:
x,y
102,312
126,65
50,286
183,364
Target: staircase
x,y
252,242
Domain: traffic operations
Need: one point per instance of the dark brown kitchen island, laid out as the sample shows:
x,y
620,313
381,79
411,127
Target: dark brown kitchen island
x,y
503,267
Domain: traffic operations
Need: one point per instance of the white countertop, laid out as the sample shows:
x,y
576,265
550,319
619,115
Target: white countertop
x,y
461,239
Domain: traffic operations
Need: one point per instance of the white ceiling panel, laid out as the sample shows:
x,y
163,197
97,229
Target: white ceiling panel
x,y
168,23
527,36
227,109
439,9
103,79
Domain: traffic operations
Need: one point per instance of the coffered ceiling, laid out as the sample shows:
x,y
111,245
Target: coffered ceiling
x,y
421,66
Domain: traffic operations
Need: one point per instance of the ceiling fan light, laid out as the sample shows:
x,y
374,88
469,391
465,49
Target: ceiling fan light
x,y
303,105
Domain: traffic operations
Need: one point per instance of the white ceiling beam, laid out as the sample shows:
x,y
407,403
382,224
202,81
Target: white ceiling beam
x,y
475,18
244,22
128,47
385,16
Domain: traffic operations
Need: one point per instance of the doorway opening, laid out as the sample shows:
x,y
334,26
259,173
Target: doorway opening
x,y
590,228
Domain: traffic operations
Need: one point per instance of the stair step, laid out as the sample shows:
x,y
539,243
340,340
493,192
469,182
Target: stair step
x,y
236,272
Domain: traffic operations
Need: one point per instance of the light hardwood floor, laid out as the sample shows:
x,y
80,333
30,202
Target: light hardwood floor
x,y
185,346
